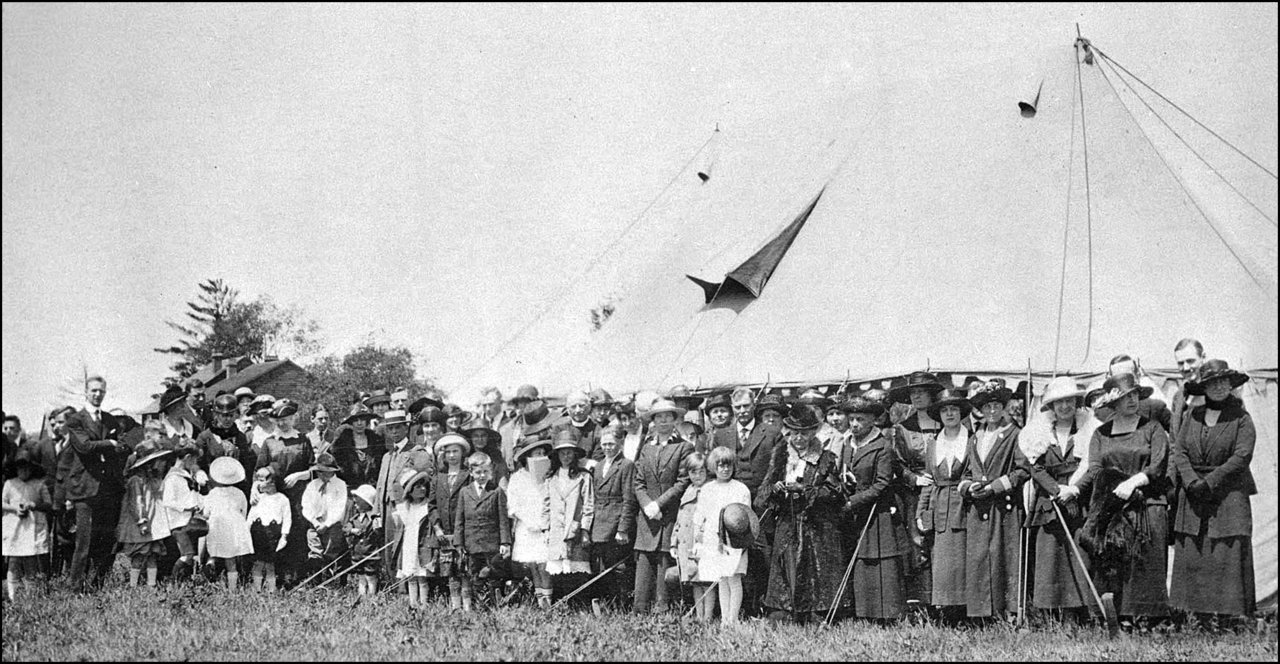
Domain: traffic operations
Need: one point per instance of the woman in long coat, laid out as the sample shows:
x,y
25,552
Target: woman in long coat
x,y
803,488
661,479
940,514
992,481
572,498
1213,551
1138,449
1056,442
288,452
877,585
911,438
359,449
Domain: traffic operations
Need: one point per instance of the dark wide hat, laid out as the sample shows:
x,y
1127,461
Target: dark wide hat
x,y
377,397
432,414
476,428
739,525
771,402
529,444
537,418
359,411
1213,370
953,397
721,400
861,404
989,394
325,462
919,379
173,395
422,402
146,452
524,394
24,457
1119,386
801,418
284,408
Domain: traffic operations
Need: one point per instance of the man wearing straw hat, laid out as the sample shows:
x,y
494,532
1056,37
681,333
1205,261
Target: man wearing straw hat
x,y
401,455
324,506
659,484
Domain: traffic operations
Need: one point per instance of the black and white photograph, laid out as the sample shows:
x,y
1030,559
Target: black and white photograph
x,y
665,332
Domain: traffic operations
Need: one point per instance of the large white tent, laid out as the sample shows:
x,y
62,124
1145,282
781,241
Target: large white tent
x,y
952,229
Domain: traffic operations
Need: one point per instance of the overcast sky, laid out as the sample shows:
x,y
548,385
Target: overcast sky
x,y
430,175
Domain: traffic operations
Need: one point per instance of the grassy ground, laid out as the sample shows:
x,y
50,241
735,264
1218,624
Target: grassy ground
x,y
209,623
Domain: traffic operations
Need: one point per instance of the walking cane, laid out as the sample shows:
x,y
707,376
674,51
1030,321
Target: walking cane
x,y
393,586
698,600
322,571
362,560
584,586
848,570
1105,605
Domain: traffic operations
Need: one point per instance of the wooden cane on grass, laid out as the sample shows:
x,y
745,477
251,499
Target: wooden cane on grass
x,y
322,571
1105,605
584,586
848,570
361,562
698,600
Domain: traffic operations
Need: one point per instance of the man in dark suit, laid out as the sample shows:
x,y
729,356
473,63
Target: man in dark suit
x,y
753,441
47,452
614,523
93,481
1189,354
661,478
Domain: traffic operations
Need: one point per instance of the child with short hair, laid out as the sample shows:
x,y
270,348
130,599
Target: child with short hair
x,y
363,538
25,502
720,562
144,523
182,503
684,538
270,521
481,525
226,508
411,517
448,482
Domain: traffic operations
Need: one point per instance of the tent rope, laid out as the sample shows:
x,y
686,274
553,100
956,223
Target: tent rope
x,y
1188,145
1181,184
548,304
1202,125
1066,229
1088,193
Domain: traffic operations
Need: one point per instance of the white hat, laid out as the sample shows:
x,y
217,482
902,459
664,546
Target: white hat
x,y
366,493
226,471
451,439
1062,387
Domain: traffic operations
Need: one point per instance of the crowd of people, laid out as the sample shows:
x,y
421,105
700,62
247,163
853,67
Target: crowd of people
x,y
812,507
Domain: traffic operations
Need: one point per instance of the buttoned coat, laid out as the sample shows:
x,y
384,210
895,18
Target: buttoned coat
x,y
874,465
615,500
481,523
1220,455
660,478
753,454
95,464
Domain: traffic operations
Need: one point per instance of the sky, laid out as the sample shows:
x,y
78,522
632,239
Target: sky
x,y
436,176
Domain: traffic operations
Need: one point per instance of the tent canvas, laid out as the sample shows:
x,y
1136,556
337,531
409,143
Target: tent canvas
x,y
939,241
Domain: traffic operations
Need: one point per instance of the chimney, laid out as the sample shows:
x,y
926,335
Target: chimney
x,y
270,358
217,362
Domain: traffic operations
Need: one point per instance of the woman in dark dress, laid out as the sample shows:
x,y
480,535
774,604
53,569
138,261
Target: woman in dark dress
x,y
1213,528
358,449
803,488
489,441
1138,450
288,452
911,439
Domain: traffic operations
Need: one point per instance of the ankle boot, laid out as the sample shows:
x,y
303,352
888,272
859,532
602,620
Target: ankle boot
x,y
466,599
544,597
455,602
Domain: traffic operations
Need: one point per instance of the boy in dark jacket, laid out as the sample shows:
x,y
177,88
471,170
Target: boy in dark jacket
x,y
481,526
614,525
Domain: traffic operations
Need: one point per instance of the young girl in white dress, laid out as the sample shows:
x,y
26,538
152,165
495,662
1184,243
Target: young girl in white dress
x,y
718,562
26,501
528,505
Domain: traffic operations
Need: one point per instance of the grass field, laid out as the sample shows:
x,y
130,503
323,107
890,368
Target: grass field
x,y
210,623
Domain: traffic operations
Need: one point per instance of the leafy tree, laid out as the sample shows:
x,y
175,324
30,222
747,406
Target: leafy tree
x,y
218,322
336,382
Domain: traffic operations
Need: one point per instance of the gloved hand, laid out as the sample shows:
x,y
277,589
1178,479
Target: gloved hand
x,y
1067,493
1125,489
652,510
1199,490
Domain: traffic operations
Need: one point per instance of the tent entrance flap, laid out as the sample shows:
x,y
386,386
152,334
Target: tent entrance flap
x,y
754,273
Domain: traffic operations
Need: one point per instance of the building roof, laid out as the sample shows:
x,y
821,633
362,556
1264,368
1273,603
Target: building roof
x,y
249,375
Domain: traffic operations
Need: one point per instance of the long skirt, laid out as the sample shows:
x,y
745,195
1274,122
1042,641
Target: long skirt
x,y
991,561
878,588
1059,581
1144,592
948,568
1213,575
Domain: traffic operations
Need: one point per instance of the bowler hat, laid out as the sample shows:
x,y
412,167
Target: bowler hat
x,y
226,471
919,379
226,405
953,397
801,418
1213,370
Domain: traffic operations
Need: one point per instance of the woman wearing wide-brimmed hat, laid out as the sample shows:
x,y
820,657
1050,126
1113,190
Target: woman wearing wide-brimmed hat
x,y
911,438
992,482
1056,442
877,586
571,507
527,505
358,449
1137,449
803,488
1213,528
289,454
660,483
940,512
489,441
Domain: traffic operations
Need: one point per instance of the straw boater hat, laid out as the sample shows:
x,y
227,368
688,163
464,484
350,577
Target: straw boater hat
x,y
1212,370
924,379
1062,387
365,493
146,452
801,418
771,402
451,439
325,463
226,471
953,397
1119,386
359,411
394,417
665,406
